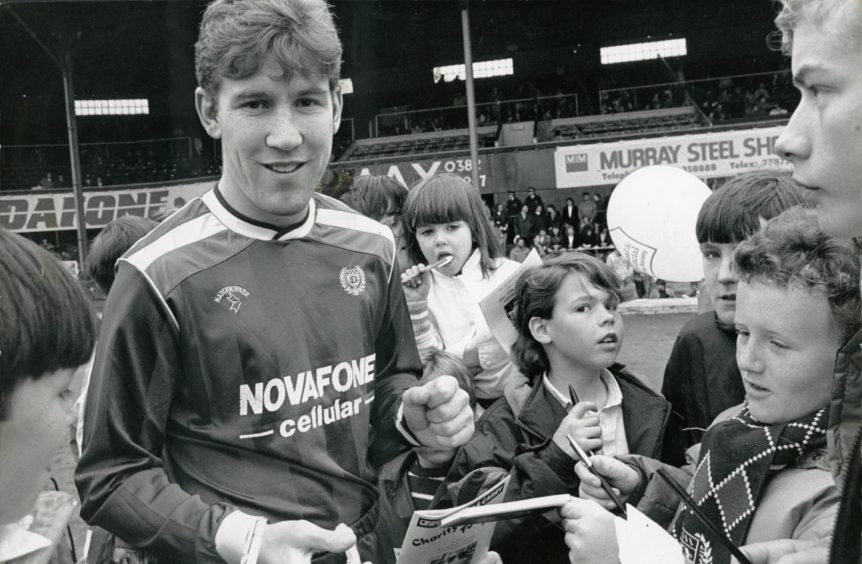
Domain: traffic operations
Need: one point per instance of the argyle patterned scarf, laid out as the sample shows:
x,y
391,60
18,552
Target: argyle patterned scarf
x,y
737,458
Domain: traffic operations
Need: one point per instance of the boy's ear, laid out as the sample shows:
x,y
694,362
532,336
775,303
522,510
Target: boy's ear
x,y
337,105
207,108
539,330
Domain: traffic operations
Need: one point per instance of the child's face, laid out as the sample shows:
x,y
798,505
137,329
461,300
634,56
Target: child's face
x,y
39,416
430,457
720,280
785,349
585,327
444,239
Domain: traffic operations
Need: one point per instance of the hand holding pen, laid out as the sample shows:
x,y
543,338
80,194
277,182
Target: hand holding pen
x,y
587,461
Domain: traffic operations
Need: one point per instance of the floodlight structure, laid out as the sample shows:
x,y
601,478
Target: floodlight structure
x,y
63,60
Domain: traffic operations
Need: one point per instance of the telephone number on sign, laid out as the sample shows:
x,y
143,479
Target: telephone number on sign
x,y
700,168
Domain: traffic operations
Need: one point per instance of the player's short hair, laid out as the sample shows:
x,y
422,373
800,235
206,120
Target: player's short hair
x,y
442,363
46,322
110,244
536,296
236,36
733,211
791,251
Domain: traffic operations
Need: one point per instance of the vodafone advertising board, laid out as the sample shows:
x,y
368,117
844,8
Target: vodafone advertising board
x,y
707,155
49,211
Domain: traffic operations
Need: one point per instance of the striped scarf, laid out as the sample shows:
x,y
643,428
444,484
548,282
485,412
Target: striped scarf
x,y
737,458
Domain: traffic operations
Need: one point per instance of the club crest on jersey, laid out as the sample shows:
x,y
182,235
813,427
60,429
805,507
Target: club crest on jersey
x,y
233,296
352,280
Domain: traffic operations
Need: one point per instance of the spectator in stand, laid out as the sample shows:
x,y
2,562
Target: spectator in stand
x,y
570,239
532,200
47,332
541,221
701,378
500,217
660,290
47,181
522,225
587,210
542,242
555,237
513,205
601,210
625,272
553,216
569,214
587,234
520,250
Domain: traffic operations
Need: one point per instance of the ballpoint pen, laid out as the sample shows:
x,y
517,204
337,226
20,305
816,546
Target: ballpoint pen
x,y
586,458
442,262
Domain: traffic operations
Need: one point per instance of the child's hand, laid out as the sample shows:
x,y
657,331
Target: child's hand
x,y
582,424
415,282
590,533
619,475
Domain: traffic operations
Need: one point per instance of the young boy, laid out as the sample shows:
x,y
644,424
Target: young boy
x,y
47,331
701,378
409,481
381,198
762,473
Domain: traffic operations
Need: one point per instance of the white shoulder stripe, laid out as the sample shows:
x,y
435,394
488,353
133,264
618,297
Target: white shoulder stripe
x,y
355,221
190,232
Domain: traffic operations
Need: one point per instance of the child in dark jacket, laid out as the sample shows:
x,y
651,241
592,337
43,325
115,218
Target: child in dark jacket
x,y
408,482
569,335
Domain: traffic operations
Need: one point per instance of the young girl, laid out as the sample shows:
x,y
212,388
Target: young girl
x,y
443,217
569,335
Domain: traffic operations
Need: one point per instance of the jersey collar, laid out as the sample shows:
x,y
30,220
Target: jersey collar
x,y
244,225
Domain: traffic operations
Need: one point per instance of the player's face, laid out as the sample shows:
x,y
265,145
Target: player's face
x,y
37,426
440,240
719,278
786,343
824,136
276,139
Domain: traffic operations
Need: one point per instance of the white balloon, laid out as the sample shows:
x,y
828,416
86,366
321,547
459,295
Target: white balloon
x,y
651,217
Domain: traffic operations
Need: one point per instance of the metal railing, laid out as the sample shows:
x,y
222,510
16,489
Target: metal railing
x,y
487,113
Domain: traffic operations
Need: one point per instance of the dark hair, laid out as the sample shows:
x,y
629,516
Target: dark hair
x,y
375,196
236,36
115,239
442,363
536,296
733,211
444,198
46,322
791,251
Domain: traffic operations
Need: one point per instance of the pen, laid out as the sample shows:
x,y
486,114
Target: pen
x,y
573,395
442,262
698,512
605,485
